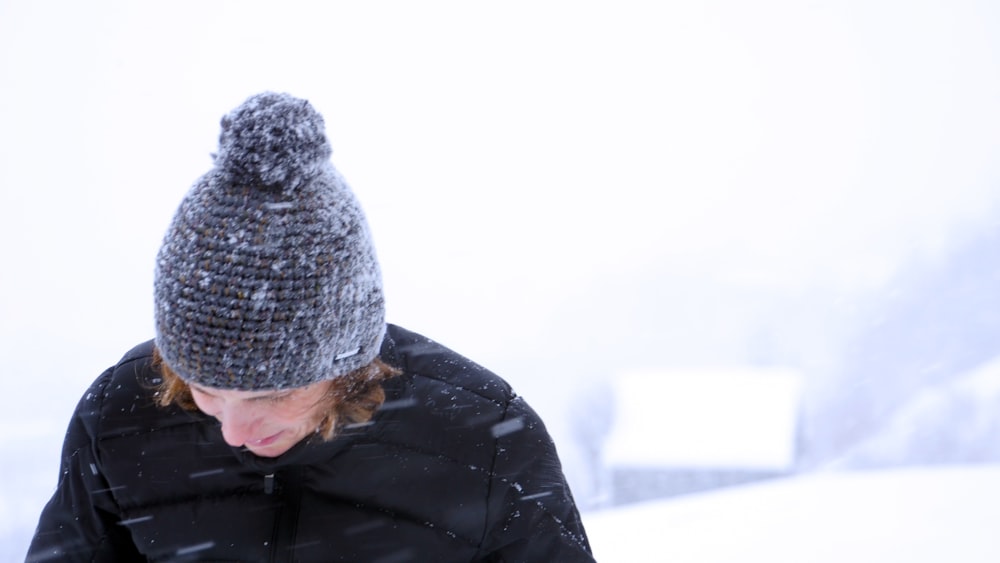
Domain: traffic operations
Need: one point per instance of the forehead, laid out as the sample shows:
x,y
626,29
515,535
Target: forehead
x,y
242,395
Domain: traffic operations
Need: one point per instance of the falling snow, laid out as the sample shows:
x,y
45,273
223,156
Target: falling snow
x,y
785,207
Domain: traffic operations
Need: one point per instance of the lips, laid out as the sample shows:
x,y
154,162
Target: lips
x,y
264,442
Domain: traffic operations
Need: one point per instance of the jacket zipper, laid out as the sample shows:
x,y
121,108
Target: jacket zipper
x,y
286,517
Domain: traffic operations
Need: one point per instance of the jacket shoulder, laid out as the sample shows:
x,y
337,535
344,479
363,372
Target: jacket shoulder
x,y
138,352
422,357
133,374
443,404
124,396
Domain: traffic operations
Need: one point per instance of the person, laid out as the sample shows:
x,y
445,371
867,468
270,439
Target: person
x,y
276,415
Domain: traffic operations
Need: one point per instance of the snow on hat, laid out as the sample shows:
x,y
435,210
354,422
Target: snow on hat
x,y
267,276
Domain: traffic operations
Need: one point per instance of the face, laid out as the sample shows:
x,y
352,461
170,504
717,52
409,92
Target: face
x,y
268,423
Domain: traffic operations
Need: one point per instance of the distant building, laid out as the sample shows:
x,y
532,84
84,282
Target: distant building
x,y
682,431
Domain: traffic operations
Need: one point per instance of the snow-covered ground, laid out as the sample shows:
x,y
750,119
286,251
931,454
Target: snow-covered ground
x,y
915,515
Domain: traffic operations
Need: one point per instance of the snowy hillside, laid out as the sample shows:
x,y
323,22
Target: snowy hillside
x,y
956,422
926,515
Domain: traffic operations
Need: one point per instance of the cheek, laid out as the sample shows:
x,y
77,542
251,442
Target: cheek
x,y
205,404
300,412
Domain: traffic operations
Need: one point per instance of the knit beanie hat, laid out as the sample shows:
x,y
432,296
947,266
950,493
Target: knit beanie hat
x,y
267,276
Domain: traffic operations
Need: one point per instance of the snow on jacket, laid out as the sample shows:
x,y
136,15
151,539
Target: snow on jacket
x,y
453,467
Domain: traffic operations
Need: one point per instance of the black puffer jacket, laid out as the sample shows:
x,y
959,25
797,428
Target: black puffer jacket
x,y
454,467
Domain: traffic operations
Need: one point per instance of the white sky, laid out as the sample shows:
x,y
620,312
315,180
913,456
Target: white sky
x,y
745,418
509,156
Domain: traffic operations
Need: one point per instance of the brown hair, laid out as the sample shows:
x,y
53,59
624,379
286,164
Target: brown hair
x,y
351,399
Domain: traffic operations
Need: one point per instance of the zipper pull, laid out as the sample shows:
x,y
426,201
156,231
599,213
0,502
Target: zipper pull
x,y
268,483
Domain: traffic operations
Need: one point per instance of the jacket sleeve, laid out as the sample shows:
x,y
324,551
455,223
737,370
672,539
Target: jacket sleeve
x,y
531,513
80,521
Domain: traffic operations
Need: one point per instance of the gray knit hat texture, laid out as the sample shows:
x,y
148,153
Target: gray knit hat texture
x,y
267,277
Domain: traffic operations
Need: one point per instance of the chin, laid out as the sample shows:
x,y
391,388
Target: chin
x,y
273,450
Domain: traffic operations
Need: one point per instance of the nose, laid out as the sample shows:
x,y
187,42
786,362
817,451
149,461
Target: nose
x,y
237,426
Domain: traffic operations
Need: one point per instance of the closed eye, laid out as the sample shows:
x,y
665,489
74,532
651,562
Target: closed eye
x,y
275,398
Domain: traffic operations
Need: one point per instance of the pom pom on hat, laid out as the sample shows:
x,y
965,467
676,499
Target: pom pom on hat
x,y
267,277
272,140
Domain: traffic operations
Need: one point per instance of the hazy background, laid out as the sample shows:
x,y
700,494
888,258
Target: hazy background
x,y
564,192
